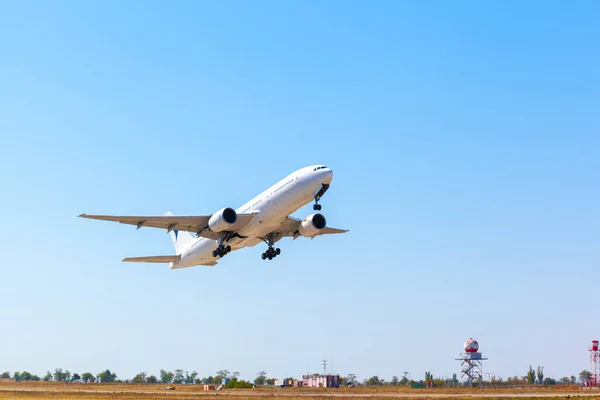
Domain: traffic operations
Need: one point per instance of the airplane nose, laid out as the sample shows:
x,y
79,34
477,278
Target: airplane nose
x,y
327,176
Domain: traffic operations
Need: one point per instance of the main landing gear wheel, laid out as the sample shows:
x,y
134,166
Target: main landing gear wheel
x,y
221,251
271,253
317,207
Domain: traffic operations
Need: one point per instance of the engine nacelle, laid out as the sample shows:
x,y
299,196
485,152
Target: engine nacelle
x,y
311,225
222,219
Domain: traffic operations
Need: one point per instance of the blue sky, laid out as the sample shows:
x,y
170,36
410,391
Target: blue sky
x,y
464,142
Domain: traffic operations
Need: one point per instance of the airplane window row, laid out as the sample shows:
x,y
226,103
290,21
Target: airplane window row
x,y
318,168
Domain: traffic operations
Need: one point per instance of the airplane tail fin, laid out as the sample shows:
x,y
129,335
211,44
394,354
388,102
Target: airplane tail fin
x,y
180,239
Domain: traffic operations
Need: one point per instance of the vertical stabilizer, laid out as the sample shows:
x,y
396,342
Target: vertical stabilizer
x,y
181,239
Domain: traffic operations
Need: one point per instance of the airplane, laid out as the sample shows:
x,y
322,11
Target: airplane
x,y
265,218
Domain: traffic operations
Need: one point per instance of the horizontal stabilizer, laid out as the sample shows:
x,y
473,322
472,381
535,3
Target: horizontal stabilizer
x,y
153,259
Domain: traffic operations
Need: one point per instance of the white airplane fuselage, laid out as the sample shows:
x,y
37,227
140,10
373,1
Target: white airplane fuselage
x,y
271,207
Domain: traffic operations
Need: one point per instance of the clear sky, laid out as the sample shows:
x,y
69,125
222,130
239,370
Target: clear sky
x,y
464,139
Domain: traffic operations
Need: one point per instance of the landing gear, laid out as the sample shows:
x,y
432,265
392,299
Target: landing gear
x,y
271,252
221,251
320,193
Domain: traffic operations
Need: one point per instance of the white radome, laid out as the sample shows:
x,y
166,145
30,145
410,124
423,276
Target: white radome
x,y
471,346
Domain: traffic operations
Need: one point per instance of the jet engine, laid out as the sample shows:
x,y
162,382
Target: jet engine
x,y
222,219
311,225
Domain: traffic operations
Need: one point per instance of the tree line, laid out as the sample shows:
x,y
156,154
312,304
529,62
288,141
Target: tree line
x,y
533,377
62,376
179,376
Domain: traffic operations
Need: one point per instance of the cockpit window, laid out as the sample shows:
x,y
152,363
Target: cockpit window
x,y
318,168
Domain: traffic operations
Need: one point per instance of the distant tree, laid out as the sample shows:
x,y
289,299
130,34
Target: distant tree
x,y
48,376
231,383
223,373
261,378
549,381
107,377
585,376
190,378
428,376
404,380
61,376
234,383
373,381
208,380
395,381
270,381
140,378
454,379
151,379
75,378
88,378
564,380
540,374
178,377
5,375
351,379
235,374
166,376
531,375
573,379
26,376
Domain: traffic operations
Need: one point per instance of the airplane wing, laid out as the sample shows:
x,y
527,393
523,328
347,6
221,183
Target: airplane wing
x,y
197,224
290,226
153,259
163,259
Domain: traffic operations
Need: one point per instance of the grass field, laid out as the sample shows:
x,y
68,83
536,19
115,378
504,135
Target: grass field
x,y
59,391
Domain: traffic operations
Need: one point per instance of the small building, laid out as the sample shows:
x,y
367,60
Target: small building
x,y
278,383
321,380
